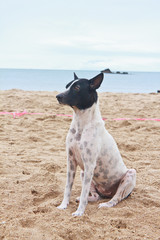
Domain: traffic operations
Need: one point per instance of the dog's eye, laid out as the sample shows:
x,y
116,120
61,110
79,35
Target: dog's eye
x,y
77,88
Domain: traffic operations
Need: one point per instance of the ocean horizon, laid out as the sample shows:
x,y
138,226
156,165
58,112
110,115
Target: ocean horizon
x,y
56,80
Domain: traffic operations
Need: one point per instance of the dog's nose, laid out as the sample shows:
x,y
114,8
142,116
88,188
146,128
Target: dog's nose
x,y
59,97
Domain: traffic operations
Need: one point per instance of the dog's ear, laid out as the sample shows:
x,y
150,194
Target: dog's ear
x,y
75,78
69,83
96,81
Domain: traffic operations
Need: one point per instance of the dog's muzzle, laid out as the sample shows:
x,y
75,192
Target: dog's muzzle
x,y
63,98
59,97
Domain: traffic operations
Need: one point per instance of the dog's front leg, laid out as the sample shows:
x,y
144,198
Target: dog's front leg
x,y
86,183
71,171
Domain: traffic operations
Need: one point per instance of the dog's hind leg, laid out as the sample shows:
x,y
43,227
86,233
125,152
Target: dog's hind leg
x,y
125,187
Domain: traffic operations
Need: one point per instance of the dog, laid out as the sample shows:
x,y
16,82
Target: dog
x,y
90,146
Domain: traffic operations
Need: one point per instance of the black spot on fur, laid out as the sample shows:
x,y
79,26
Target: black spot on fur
x,y
96,175
78,137
73,174
88,151
100,163
72,166
70,152
73,131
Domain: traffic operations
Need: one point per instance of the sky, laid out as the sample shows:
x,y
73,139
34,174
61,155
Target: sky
x,y
123,35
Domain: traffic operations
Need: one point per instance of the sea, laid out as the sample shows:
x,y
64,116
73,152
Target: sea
x,y
56,80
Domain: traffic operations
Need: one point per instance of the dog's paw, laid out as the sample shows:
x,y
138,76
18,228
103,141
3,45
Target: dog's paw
x,y
107,204
77,213
62,206
102,205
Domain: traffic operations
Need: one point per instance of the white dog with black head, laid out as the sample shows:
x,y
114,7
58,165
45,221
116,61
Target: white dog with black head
x,y
90,146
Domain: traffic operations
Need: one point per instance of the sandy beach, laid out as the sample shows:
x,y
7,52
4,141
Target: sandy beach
x,y
33,169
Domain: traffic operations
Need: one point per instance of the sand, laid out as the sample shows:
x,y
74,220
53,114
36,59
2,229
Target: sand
x,y
33,170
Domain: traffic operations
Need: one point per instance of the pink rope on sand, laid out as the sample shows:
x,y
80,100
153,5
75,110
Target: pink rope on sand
x,y
19,114
136,119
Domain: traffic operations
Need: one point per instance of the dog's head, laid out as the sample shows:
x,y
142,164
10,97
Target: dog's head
x,y
81,93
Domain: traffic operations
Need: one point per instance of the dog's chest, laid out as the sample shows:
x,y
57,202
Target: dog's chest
x,y
77,141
